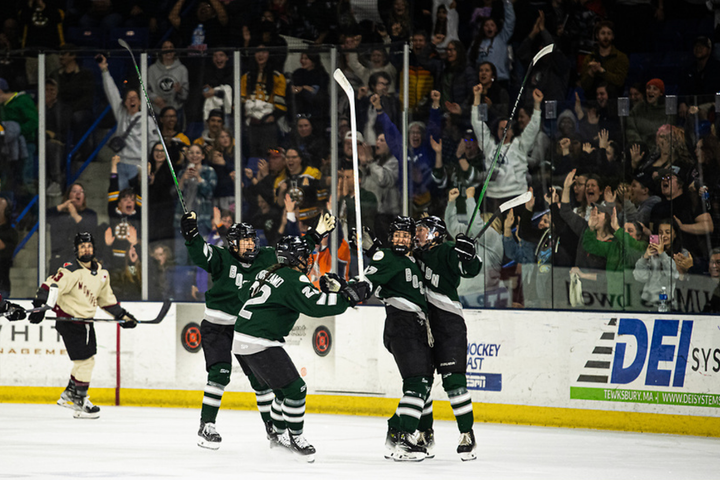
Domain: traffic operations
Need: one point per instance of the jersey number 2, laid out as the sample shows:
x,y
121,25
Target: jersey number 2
x,y
264,295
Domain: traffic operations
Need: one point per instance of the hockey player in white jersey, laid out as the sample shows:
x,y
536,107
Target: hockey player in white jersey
x,y
76,290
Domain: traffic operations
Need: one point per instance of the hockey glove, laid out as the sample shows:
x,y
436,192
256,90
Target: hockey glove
x,y
12,311
325,225
331,283
356,291
41,297
465,248
370,242
189,226
129,320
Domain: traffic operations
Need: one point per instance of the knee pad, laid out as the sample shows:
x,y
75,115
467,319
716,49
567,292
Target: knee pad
x,y
220,374
82,369
417,386
297,390
257,385
454,381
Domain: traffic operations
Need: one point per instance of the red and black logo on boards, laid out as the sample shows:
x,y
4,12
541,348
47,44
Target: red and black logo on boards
x,y
190,338
322,341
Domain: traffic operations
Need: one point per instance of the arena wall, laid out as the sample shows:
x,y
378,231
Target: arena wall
x,y
655,373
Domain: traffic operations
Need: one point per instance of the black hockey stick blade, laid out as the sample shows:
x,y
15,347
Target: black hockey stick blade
x,y
159,318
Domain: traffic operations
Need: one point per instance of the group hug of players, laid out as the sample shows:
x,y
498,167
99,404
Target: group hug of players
x,y
256,298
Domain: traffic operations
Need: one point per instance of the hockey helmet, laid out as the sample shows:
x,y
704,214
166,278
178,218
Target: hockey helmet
x,y
433,225
240,231
294,252
401,224
80,238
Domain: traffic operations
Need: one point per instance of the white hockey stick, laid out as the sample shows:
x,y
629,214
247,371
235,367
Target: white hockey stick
x,y
350,92
125,45
512,203
548,49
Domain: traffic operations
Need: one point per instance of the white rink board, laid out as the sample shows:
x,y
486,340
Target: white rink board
x,y
551,359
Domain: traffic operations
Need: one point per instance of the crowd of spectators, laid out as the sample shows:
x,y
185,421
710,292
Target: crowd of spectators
x,y
623,161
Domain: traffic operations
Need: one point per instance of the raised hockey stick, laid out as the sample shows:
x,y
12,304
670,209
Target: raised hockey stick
x,y
159,318
125,45
548,49
512,203
350,92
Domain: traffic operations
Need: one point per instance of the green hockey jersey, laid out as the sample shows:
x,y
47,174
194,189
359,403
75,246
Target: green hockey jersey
x,y
276,303
231,278
442,271
397,281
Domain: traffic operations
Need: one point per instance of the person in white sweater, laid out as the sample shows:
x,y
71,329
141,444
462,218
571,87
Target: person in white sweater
x,y
509,178
128,116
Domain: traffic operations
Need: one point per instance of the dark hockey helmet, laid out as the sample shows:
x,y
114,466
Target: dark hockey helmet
x,y
80,238
401,224
294,252
434,225
240,231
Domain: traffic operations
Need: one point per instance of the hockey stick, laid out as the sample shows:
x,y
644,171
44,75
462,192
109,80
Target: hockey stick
x,y
548,49
512,203
350,92
159,318
125,45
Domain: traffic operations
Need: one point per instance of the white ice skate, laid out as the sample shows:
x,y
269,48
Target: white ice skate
x,y
87,410
466,446
208,436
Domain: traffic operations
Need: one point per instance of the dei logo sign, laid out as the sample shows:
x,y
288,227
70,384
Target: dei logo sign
x,y
633,354
480,356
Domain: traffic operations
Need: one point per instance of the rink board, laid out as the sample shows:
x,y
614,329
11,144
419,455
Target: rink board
x,y
576,369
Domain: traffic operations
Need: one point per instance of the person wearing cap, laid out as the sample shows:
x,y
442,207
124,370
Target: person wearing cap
x,y
605,63
692,220
213,126
641,195
647,117
701,76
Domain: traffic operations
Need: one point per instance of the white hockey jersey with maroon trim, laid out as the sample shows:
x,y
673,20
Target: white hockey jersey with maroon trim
x,y
79,291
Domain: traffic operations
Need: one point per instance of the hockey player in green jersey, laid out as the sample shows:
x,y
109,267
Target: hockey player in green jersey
x,y
397,282
232,270
443,264
277,298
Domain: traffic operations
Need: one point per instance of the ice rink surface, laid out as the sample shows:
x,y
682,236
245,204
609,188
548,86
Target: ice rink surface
x,y
44,441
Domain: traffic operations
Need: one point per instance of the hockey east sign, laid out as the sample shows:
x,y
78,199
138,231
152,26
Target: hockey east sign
x,y
658,361
480,356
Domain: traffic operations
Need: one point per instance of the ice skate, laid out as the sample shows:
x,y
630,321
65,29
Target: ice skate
x,y
391,441
209,438
300,446
85,408
66,400
427,439
407,449
281,440
270,432
466,446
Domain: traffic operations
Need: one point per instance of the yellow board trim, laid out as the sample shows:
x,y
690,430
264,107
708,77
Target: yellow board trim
x,y
384,407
